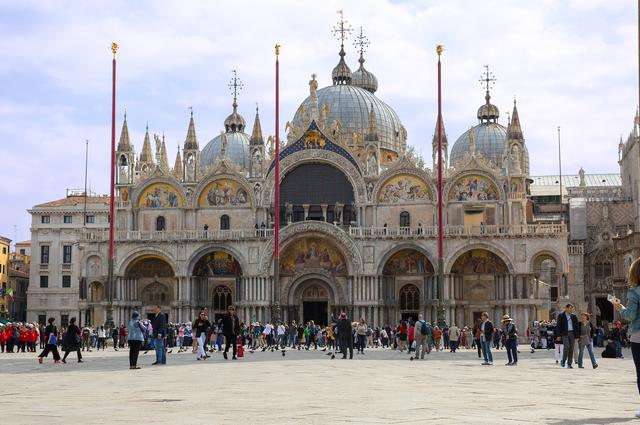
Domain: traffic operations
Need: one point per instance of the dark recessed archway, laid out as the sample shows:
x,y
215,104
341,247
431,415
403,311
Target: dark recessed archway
x,y
316,184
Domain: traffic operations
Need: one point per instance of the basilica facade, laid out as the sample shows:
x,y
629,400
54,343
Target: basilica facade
x,y
358,220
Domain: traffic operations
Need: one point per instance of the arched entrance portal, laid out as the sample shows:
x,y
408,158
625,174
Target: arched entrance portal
x,y
409,285
480,278
214,281
313,300
154,283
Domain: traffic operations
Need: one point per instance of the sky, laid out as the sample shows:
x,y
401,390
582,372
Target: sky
x,y
569,63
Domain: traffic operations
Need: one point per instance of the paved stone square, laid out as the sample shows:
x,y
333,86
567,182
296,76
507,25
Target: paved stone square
x,y
382,386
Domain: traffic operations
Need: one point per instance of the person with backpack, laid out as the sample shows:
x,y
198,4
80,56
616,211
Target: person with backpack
x,y
421,333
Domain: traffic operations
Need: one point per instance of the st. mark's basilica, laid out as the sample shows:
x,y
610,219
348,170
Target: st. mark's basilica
x,y
358,222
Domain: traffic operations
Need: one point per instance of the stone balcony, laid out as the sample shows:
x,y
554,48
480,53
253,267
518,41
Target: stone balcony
x,y
426,232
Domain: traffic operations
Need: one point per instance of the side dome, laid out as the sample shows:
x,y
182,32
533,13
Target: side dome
x,y
351,106
490,139
237,150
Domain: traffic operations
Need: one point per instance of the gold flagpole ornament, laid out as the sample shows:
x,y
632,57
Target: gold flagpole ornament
x,y
439,49
277,49
114,48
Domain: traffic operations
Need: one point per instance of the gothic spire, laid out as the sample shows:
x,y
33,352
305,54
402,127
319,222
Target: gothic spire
x,y
256,134
514,131
124,145
164,159
372,131
146,155
177,167
191,141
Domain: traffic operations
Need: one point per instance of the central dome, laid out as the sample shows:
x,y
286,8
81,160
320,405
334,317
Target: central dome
x,y
351,106
237,150
490,139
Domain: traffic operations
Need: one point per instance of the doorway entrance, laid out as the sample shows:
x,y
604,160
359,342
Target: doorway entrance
x,y
316,311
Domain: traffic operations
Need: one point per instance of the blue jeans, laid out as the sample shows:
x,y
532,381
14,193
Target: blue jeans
x,y
618,349
161,356
292,340
581,347
486,351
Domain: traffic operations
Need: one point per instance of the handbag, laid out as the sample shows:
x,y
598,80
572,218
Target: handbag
x,y
53,339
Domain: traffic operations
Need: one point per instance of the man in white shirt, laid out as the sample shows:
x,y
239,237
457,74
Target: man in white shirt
x,y
281,332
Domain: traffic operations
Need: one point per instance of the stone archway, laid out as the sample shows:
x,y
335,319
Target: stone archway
x,y
480,283
213,281
314,297
149,281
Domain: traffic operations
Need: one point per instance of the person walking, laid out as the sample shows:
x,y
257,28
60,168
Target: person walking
x,y
454,338
200,325
135,335
72,341
51,342
344,335
586,333
567,329
102,338
631,313
486,337
230,329
159,331
361,334
114,336
421,332
511,340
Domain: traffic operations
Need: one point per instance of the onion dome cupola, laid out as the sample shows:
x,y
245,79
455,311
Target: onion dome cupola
x,y
341,74
363,78
233,143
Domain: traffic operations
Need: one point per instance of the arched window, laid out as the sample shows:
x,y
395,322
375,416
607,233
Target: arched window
x,y
221,298
603,269
405,219
409,297
161,224
224,222
154,294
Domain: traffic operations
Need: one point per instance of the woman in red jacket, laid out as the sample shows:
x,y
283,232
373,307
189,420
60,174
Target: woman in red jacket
x,y
3,338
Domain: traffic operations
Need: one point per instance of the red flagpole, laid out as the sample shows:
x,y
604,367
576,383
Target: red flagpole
x,y
441,316
114,49
276,177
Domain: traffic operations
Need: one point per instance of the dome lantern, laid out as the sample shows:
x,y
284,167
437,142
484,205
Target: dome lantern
x,y
341,74
363,78
488,112
235,122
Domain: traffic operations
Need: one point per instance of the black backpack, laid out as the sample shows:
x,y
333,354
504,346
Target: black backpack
x,y
424,328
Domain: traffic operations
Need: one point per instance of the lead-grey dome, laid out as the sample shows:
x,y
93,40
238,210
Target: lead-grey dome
x,y
351,105
237,150
490,139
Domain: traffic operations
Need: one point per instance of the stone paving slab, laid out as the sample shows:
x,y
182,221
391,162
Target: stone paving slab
x,y
306,387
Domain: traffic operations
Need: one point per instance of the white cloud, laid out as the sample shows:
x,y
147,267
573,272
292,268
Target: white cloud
x,y
571,64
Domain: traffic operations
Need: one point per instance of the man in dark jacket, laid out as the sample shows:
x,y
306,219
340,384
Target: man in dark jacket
x,y
567,329
159,331
486,337
345,336
230,330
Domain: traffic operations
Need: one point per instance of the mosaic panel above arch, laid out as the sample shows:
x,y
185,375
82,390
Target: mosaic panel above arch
x,y
473,188
479,261
404,188
160,195
312,253
408,261
216,264
223,192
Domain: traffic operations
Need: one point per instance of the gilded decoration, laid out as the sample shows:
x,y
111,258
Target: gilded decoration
x,y
408,261
314,253
473,188
479,261
223,192
404,188
217,263
160,195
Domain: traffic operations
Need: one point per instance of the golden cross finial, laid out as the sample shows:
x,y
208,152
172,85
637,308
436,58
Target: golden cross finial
x,y
361,42
235,85
487,79
114,48
277,49
343,29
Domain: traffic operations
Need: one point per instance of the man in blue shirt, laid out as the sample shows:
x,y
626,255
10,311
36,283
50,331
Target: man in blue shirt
x,y
567,329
